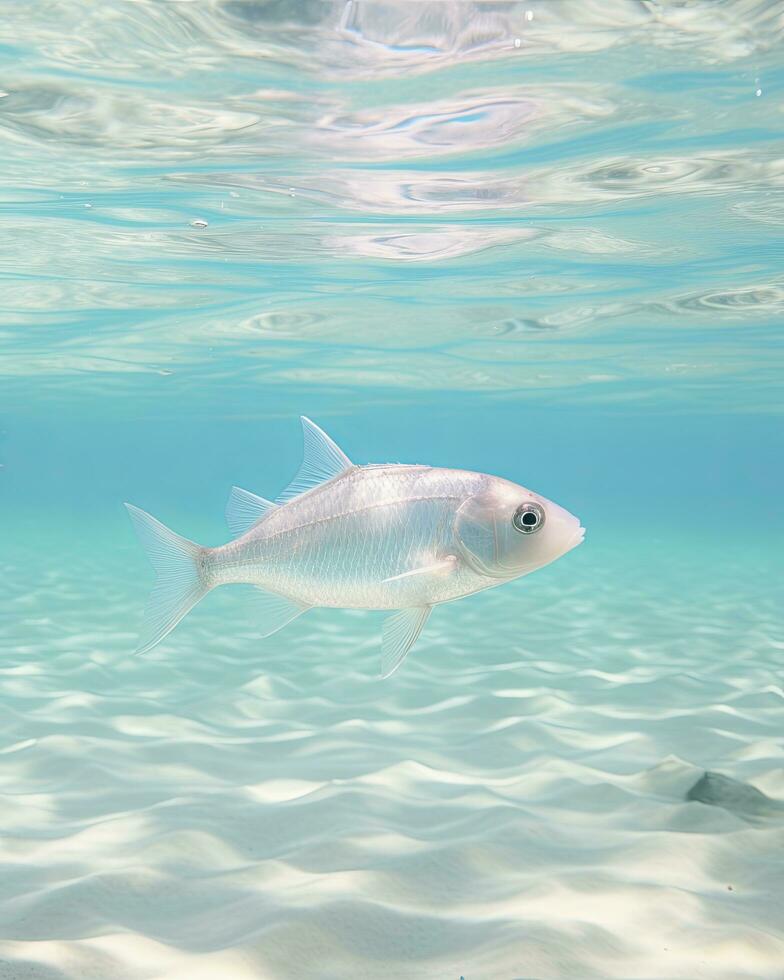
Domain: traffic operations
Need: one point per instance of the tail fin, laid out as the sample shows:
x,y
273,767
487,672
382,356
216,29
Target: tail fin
x,y
179,585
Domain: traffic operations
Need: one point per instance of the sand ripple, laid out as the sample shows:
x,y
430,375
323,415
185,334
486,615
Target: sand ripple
x,y
511,804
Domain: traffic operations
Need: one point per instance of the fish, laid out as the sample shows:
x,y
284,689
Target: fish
x,y
393,536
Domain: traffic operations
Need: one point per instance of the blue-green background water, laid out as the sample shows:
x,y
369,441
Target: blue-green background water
x,y
537,240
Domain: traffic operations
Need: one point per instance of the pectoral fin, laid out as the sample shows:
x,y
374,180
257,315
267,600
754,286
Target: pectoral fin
x,y
400,632
443,567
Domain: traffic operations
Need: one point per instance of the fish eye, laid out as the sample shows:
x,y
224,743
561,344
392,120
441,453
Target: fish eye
x,y
528,518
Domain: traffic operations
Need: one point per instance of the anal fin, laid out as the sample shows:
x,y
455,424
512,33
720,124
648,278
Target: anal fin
x,y
272,611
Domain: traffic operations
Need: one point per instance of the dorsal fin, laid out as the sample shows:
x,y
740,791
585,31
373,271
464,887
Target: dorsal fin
x,y
321,461
244,509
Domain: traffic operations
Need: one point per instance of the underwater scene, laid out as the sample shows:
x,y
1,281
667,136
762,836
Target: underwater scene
x,y
535,252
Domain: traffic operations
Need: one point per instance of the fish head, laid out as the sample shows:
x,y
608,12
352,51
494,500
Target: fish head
x,y
506,530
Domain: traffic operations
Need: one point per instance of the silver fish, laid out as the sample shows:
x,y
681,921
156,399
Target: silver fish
x,y
388,536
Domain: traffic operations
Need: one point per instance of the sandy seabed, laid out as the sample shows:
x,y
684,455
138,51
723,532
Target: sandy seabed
x,y
511,804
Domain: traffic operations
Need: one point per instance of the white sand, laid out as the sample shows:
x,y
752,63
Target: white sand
x,y
510,805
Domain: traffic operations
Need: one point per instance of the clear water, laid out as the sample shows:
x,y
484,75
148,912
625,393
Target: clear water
x,y
558,260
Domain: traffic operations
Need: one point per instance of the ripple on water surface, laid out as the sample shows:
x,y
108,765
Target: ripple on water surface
x,y
612,172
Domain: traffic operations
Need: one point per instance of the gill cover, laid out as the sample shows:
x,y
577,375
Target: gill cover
x,y
478,535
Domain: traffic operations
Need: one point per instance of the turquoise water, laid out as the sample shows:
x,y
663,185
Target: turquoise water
x,y
542,241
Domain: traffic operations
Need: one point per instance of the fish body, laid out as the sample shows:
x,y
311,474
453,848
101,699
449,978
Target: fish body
x,y
388,537
360,541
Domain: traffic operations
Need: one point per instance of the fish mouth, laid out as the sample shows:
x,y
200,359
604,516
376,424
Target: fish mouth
x,y
576,538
